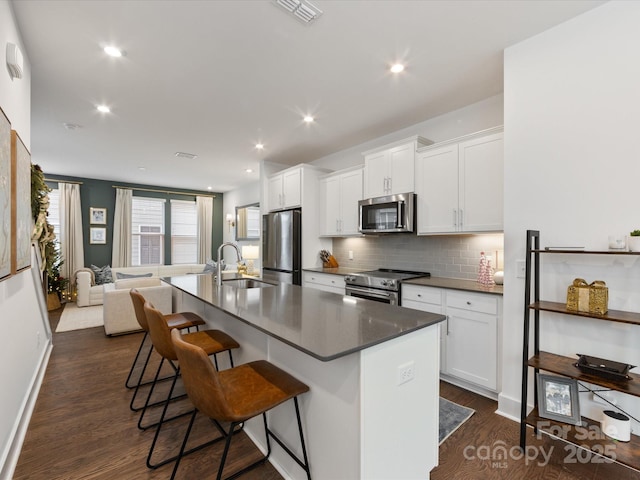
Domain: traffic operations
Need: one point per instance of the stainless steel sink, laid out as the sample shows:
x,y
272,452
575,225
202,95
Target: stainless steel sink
x,y
247,283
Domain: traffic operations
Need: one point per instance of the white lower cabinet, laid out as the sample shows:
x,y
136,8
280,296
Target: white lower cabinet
x,y
469,336
326,282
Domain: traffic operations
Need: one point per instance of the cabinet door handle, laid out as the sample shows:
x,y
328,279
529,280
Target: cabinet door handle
x,y
455,217
337,225
390,179
447,320
461,218
468,303
419,295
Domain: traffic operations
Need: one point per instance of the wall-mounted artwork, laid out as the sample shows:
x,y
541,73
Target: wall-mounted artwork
x,y
5,196
98,215
21,203
97,236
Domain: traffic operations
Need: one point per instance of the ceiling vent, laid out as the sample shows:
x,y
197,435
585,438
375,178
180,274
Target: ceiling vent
x,y
304,11
190,156
14,61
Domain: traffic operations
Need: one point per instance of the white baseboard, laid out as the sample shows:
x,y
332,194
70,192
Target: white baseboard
x,y
11,460
509,407
469,386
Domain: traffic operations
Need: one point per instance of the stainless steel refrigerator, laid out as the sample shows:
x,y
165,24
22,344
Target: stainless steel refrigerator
x,y
281,245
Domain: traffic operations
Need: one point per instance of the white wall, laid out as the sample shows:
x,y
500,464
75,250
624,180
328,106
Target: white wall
x,y
571,170
472,118
244,195
25,339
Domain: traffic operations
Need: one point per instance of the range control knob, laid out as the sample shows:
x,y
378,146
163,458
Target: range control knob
x,y
383,283
391,283
349,278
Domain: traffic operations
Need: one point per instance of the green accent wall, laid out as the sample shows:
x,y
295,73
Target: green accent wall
x,y
101,194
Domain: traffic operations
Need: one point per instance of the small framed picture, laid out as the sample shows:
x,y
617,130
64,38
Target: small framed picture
x,y
97,235
98,216
558,399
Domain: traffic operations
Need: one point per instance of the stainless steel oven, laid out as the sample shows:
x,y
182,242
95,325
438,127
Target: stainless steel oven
x,y
381,285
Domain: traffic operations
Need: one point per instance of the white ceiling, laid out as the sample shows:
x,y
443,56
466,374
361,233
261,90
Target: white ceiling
x,y
214,77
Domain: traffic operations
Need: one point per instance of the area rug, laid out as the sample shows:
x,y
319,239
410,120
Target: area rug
x,y
76,318
452,416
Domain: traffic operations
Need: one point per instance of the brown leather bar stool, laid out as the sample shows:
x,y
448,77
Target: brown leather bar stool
x,y
211,342
235,395
180,321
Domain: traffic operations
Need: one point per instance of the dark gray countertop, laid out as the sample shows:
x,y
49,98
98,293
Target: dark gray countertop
x,y
441,282
322,324
455,284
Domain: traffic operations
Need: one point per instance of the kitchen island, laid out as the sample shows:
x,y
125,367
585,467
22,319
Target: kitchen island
x,y
372,411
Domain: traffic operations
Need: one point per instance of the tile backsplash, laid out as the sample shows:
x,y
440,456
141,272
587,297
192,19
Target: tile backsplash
x,y
451,256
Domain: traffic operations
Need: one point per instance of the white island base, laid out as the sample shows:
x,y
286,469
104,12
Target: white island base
x,y
358,421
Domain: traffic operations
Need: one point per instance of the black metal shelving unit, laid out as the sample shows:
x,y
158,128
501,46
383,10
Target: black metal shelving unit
x,y
626,453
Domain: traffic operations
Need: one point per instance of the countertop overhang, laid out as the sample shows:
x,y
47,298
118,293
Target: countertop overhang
x,y
324,325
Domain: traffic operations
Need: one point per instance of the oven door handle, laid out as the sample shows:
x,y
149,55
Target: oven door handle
x,y
370,293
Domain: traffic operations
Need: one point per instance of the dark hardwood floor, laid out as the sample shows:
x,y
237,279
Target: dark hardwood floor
x,y
82,428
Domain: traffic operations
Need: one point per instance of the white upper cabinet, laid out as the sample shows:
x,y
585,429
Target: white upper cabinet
x,y
390,169
460,184
339,195
285,189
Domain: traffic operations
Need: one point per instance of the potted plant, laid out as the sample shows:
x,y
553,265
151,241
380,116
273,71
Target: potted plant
x,y
633,242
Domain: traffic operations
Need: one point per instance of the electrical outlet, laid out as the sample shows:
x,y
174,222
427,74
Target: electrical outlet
x,y
406,373
520,268
350,254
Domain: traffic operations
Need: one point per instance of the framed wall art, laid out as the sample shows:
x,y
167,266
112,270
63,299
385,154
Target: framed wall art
x,y
97,235
5,196
558,399
21,204
98,216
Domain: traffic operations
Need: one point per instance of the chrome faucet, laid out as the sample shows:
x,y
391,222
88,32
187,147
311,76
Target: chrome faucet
x,y
219,276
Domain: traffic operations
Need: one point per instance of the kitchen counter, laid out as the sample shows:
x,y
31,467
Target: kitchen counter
x,y
455,284
441,282
324,325
372,371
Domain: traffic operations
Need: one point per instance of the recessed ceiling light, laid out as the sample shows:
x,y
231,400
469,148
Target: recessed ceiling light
x,y
190,156
397,68
209,187
103,109
259,146
308,118
249,170
142,169
113,51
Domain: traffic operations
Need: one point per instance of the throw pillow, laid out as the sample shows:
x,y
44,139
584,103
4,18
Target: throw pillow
x,y
103,274
120,276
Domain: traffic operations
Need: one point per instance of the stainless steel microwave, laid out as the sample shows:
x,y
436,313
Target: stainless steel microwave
x,y
390,214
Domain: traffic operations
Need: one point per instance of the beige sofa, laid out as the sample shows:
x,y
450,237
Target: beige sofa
x,y
118,313
88,293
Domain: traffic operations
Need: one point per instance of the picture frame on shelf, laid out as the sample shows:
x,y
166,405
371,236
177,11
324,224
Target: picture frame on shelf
x,y
558,399
97,216
97,236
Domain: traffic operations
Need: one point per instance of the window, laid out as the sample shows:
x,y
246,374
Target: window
x,y
54,212
184,231
147,231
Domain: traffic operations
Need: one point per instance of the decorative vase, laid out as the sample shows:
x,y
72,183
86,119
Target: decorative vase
x,y
53,302
633,243
498,277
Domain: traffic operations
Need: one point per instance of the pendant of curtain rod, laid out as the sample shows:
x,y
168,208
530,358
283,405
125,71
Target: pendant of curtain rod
x,y
164,191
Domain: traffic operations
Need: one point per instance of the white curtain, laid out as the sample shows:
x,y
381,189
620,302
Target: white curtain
x,y
121,253
71,246
205,225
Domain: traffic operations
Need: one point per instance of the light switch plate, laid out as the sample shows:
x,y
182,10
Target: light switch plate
x,y
520,268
